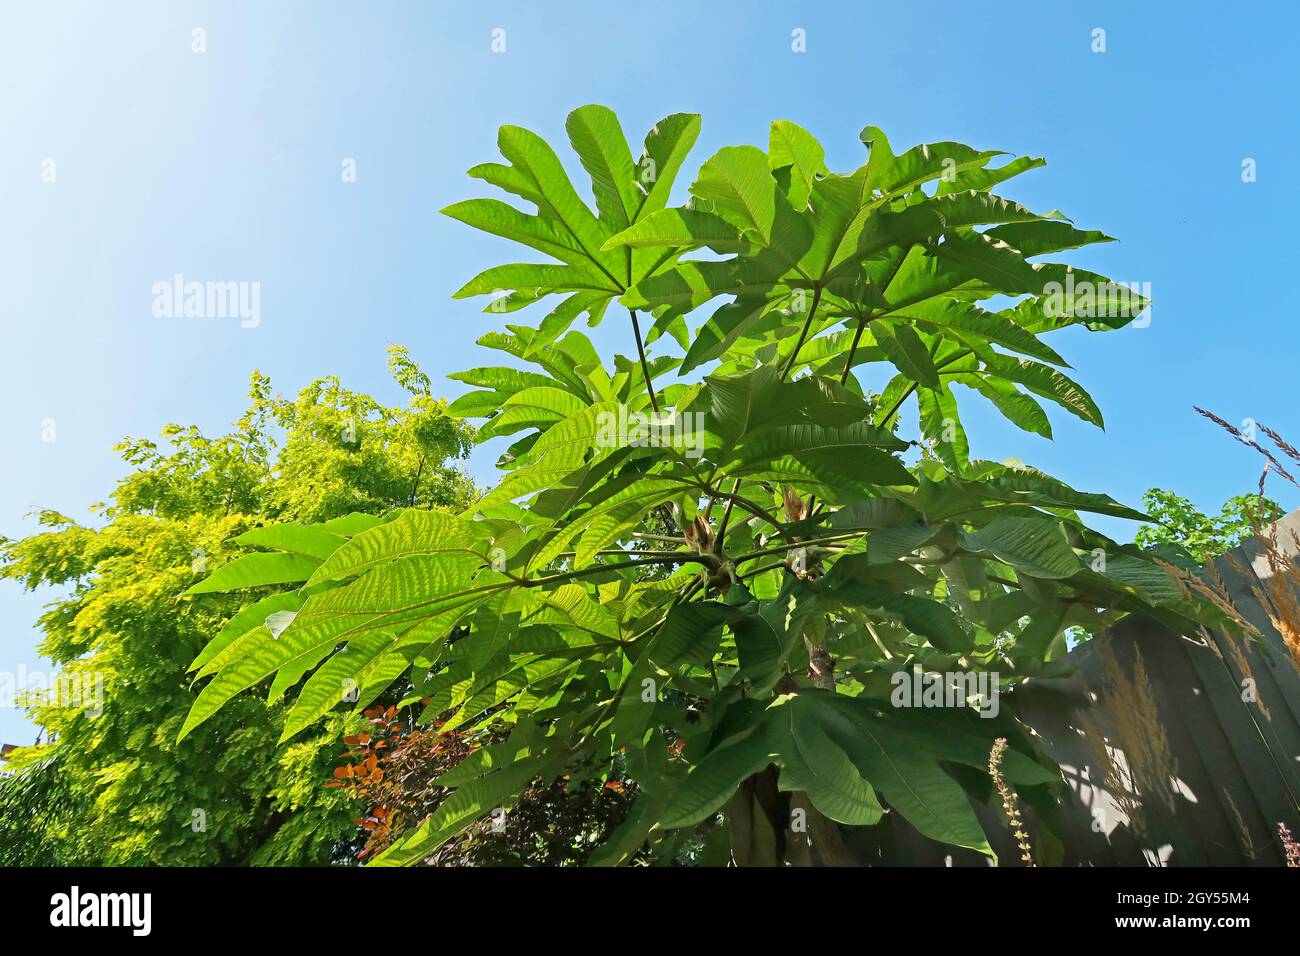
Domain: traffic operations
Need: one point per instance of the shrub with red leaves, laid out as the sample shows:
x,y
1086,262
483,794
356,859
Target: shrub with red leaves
x,y
394,768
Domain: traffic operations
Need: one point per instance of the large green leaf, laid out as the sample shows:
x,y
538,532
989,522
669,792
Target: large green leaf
x,y
691,633
1035,546
714,779
1047,382
816,745
257,570
794,150
598,140
412,533
254,615
314,541
896,762
907,352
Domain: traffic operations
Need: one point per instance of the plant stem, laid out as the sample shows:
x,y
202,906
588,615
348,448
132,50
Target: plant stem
x,y
606,711
665,555
415,485
744,503
803,334
857,337
598,568
827,539
645,366
726,515
658,537
760,569
884,422
516,581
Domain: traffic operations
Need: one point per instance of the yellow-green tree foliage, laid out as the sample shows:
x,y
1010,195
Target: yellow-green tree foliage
x,y
114,786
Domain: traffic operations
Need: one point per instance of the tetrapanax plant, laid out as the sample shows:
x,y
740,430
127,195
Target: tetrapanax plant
x,y
724,597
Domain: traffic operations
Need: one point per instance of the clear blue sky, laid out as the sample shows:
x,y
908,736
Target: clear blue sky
x,y
225,165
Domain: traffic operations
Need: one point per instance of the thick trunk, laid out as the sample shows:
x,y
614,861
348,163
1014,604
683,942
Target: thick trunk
x,y
771,828
758,817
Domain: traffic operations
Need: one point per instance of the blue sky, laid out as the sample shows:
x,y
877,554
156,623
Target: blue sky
x,y
225,165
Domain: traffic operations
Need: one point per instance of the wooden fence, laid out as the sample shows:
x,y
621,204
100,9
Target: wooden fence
x,y
1210,739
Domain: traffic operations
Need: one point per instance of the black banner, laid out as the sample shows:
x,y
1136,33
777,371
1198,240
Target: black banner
x,y
330,905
